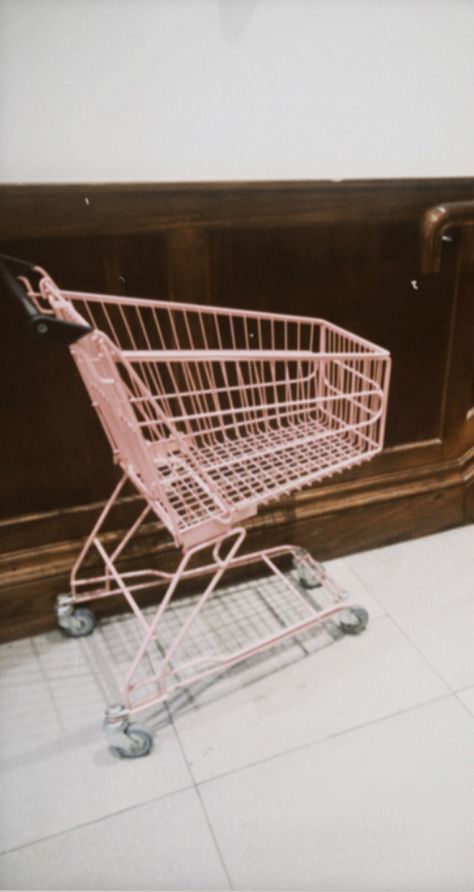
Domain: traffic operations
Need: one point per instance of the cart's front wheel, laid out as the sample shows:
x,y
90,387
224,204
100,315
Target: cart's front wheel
x,y
355,620
136,742
126,741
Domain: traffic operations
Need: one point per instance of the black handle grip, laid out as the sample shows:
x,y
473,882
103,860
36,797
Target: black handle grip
x,y
41,325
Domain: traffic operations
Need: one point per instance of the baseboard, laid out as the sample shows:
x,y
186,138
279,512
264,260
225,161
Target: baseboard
x,y
338,518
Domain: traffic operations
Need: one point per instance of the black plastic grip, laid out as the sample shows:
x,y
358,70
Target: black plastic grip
x,y
41,325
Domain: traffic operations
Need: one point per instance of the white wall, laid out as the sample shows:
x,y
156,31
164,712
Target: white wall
x,y
182,90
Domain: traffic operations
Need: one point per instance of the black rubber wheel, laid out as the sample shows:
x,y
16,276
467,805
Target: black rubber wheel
x,y
141,744
82,623
308,584
360,623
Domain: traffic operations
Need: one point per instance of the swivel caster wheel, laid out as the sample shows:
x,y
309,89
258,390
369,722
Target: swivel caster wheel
x,y
355,620
73,622
137,742
306,577
125,740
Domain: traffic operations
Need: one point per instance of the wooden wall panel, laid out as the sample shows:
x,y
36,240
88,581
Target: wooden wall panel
x,y
347,251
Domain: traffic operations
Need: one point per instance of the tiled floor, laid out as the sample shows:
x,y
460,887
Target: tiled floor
x,y
345,763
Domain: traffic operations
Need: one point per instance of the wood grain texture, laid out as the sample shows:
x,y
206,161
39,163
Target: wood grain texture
x,y
85,209
346,251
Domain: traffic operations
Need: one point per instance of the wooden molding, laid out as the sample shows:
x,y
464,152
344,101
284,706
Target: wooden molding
x,y
413,501
435,223
33,211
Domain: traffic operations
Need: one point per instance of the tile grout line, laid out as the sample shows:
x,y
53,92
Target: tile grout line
x,y
201,801
121,811
47,682
334,736
458,698
410,640
450,692
196,784
464,688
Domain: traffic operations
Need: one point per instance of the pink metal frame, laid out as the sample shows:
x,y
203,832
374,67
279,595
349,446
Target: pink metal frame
x,y
211,412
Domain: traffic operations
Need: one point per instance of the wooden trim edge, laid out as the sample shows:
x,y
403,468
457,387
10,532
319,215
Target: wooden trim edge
x,y
55,558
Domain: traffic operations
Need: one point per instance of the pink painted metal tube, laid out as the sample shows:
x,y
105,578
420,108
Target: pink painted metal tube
x,y
211,412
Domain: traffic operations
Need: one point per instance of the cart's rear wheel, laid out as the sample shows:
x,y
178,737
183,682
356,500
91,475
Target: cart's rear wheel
x,y
78,623
356,622
306,576
138,744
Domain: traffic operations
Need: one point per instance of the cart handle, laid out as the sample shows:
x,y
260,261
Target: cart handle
x,y
41,325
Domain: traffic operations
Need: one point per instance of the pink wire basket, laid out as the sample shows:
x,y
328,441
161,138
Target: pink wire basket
x,y
211,412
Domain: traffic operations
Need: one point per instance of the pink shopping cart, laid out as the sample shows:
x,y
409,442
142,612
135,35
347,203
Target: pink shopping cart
x,y
209,412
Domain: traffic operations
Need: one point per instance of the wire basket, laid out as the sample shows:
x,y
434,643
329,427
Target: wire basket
x,y
209,412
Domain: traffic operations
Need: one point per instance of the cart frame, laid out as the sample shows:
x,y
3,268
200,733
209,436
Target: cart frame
x,y
210,412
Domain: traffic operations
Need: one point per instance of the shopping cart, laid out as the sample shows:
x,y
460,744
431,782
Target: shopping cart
x,y
209,412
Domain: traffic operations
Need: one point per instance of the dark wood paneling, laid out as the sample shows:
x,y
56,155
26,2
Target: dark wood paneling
x,y
85,209
348,251
347,273
55,454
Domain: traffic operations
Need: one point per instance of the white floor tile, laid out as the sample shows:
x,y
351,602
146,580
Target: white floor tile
x,y
384,807
427,586
313,821
55,769
446,639
165,844
346,683
410,574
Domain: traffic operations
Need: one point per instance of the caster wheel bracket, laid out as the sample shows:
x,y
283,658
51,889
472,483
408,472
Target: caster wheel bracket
x,y
74,622
126,741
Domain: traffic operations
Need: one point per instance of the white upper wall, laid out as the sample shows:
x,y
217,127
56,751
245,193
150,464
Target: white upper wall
x,y
188,90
